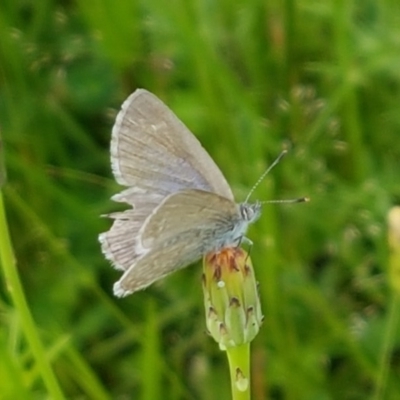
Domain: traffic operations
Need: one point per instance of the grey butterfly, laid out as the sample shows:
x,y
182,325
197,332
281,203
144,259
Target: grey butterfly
x,y
183,207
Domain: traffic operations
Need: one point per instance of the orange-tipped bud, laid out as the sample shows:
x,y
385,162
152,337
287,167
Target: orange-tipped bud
x,y
232,305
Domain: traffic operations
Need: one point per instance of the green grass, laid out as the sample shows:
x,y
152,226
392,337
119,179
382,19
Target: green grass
x,y
248,78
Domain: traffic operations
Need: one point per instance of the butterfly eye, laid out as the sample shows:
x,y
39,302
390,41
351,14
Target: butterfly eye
x,y
246,212
250,212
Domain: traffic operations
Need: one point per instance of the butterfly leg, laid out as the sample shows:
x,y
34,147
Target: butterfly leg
x,y
244,239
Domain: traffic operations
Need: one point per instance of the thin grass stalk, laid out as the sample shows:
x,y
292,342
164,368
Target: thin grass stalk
x,y
393,317
13,283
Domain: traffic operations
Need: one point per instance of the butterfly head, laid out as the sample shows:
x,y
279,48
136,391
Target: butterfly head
x,y
250,212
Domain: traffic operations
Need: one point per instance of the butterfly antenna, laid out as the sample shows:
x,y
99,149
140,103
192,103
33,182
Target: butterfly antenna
x,y
260,179
287,201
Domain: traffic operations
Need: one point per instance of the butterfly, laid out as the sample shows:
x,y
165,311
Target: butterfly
x,y
182,206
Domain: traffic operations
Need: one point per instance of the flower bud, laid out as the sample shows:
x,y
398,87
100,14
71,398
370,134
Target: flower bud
x,y
394,246
232,304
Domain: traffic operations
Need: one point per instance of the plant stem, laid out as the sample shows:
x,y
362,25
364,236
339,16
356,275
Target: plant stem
x,y
14,286
239,367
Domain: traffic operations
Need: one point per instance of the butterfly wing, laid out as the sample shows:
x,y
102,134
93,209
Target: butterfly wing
x,y
155,155
151,149
119,244
189,210
185,226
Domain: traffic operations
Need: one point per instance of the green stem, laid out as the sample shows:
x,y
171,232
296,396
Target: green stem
x,y
14,286
388,345
239,367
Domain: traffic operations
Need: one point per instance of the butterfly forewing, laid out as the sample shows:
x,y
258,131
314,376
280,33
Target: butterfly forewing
x,y
185,226
151,149
157,263
188,210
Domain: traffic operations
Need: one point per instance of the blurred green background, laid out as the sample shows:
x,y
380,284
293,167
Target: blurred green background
x,y
321,78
